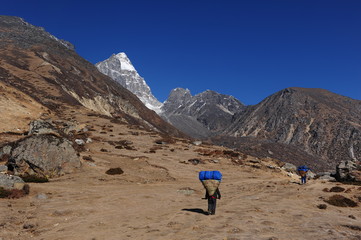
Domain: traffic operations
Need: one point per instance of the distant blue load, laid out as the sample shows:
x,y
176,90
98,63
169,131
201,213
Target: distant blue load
x,y
303,168
214,175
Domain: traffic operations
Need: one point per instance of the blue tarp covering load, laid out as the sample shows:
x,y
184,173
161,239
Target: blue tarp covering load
x,y
302,168
210,180
214,175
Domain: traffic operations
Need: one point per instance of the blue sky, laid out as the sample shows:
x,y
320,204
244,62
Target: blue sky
x,y
247,49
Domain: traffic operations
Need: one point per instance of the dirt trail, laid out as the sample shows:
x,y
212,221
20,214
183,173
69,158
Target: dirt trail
x,y
159,197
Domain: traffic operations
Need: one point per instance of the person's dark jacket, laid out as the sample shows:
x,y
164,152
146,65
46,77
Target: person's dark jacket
x,y
217,194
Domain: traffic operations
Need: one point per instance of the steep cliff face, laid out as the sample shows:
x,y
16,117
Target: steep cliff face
x,y
121,70
202,115
50,72
317,121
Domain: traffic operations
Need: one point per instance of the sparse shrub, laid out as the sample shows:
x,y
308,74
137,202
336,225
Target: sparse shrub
x,y
14,193
322,206
103,150
341,201
34,178
337,189
231,153
114,171
325,190
88,158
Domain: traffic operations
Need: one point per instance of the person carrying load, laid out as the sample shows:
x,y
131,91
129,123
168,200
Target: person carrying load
x,y
211,181
302,170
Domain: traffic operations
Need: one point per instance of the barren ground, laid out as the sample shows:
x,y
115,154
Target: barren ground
x,y
159,196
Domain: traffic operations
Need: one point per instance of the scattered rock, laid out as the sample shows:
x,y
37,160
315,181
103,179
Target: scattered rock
x,y
186,191
42,127
3,168
79,141
352,217
8,181
289,167
29,226
213,161
196,161
41,196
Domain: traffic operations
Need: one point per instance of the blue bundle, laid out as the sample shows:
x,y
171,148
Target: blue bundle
x,y
210,175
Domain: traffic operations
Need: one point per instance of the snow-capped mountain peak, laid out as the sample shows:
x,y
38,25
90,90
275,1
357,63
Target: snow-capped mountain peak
x,y
121,70
125,63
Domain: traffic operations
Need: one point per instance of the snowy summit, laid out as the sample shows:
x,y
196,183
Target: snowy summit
x,y
121,70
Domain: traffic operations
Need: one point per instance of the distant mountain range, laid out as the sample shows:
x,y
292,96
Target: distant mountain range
x,y
199,116
295,124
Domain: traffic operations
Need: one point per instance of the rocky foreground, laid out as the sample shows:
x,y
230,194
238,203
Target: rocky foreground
x,y
138,184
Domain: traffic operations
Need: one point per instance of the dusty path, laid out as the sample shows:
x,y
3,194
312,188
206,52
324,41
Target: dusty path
x,y
159,197
251,208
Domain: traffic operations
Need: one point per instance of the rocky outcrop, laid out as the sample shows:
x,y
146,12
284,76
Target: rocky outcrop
x,y
45,155
348,171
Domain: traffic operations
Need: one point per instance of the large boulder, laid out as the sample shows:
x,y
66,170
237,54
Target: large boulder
x,y
44,154
348,171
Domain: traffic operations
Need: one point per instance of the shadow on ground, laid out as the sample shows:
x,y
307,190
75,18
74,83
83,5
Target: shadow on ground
x,y
195,210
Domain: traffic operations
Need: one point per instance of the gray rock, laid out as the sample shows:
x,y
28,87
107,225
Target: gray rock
x,y
349,170
310,174
42,127
8,181
197,143
41,196
289,167
3,168
43,154
79,141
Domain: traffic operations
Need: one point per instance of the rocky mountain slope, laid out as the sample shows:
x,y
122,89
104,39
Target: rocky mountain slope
x,y
120,69
199,116
202,115
37,67
321,123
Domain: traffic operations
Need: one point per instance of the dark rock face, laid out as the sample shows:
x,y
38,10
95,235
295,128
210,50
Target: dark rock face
x,y
53,74
201,115
349,171
323,124
44,155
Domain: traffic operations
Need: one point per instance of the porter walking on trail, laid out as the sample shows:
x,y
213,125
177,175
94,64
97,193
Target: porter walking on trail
x,y
212,201
211,181
302,170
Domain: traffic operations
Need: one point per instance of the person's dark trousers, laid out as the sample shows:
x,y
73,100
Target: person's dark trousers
x,y
303,180
212,202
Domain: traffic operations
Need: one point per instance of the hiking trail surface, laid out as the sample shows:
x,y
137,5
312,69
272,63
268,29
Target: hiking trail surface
x,y
159,196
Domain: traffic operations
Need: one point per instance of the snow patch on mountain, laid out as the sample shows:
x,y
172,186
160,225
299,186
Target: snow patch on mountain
x,y
121,70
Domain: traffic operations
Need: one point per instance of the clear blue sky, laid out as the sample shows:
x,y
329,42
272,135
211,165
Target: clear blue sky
x,y
247,49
